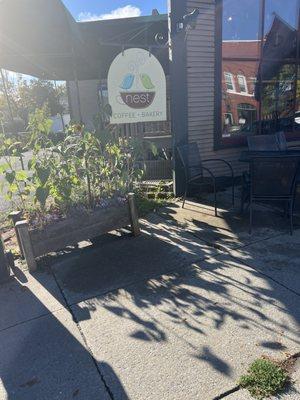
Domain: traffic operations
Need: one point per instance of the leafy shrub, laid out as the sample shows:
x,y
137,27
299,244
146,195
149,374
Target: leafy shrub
x,y
264,379
15,178
80,170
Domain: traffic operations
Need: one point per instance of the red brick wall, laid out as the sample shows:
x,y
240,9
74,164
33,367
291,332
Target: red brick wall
x,y
236,60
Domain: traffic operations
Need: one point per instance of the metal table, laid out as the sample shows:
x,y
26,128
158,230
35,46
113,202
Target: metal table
x,y
246,156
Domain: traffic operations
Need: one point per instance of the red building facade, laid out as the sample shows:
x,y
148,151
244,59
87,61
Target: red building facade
x,y
239,74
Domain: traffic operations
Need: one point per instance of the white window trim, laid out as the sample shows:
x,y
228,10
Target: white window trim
x,y
245,94
244,83
230,75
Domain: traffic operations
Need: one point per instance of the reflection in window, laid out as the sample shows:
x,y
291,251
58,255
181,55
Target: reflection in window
x,y
285,9
277,98
228,119
240,19
229,81
242,83
247,114
260,51
233,100
297,102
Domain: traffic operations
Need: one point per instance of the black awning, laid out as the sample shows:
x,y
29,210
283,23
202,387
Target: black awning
x,y
41,38
108,38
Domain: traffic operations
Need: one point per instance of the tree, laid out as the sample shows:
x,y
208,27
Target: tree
x,y
26,96
36,94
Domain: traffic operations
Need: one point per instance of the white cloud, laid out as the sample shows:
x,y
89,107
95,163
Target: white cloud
x,y
122,12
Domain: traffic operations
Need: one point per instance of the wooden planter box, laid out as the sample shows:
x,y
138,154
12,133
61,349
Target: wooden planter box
x,y
38,242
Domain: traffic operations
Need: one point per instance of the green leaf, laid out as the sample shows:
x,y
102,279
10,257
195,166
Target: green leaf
x,y
15,149
3,168
37,147
153,149
13,188
31,163
57,150
10,176
66,168
8,196
43,174
21,175
80,153
42,194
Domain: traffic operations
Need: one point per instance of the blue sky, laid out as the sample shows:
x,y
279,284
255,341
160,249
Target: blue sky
x,y
98,9
241,17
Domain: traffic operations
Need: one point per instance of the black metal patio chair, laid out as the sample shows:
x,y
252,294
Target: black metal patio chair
x,y
257,143
273,179
194,170
263,143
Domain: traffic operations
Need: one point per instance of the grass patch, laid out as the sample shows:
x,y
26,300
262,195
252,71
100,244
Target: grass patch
x,y
146,206
264,378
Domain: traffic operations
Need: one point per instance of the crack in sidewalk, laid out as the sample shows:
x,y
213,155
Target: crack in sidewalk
x,y
227,393
68,307
266,275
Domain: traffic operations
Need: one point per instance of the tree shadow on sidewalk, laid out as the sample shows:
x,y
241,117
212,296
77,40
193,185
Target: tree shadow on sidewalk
x,y
164,281
43,355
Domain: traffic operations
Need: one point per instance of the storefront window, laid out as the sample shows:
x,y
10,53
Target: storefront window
x,y
259,91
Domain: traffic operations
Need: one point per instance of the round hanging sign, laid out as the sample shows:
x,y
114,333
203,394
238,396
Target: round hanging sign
x,y
137,88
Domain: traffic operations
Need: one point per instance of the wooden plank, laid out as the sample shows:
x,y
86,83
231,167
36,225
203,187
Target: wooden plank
x,y
22,228
78,222
16,216
70,238
135,227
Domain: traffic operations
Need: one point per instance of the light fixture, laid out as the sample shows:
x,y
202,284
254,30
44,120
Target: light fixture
x,y
160,39
189,21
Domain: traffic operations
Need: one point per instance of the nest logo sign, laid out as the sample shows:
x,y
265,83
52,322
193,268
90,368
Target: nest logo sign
x,y
137,88
142,99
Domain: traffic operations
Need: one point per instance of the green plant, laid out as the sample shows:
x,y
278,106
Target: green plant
x,y
264,378
16,178
146,205
27,96
84,169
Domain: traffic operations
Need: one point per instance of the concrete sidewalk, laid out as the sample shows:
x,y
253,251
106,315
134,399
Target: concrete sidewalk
x,y
177,313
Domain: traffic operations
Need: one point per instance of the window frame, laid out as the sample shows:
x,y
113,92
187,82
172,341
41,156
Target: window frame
x,y
232,83
221,142
239,76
